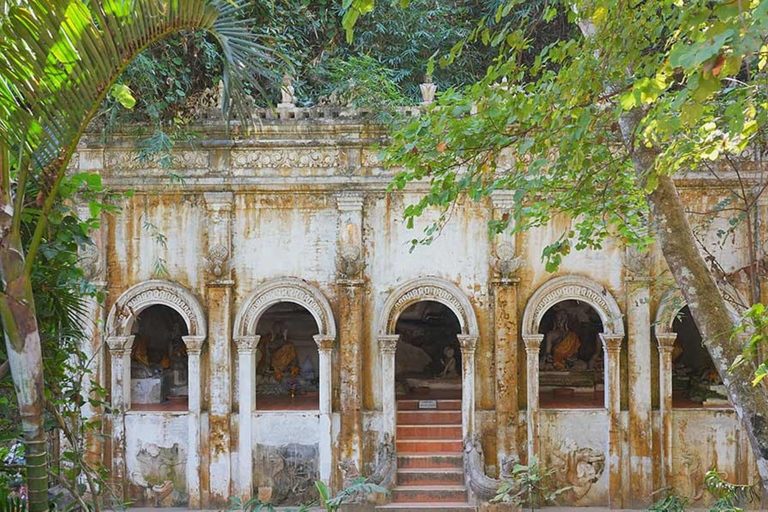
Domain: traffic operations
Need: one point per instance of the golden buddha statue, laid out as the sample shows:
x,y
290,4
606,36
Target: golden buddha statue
x,y
561,342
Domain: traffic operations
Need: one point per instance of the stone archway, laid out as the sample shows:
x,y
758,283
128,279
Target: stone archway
x,y
437,290
573,287
120,321
298,291
580,288
668,310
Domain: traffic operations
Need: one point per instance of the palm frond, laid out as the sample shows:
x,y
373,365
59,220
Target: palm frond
x,y
59,58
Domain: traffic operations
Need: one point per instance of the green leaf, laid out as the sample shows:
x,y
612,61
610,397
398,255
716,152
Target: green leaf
x,y
760,374
122,93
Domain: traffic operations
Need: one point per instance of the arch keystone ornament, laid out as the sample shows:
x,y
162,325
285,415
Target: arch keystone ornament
x,y
580,288
297,291
120,322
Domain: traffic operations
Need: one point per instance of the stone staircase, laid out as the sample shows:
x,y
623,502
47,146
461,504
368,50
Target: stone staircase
x,y
430,463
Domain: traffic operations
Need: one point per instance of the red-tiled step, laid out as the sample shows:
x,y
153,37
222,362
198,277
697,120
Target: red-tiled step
x,y
427,446
430,476
445,432
429,494
430,460
419,507
428,417
446,404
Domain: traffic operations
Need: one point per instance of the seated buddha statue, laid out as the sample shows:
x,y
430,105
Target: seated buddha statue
x,y
561,343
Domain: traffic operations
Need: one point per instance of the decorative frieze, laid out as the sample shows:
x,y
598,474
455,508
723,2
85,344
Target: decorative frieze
x,y
281,294
116,160
566,293
282,157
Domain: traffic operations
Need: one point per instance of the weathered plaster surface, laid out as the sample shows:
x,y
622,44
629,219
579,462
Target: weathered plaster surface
x,y
287,221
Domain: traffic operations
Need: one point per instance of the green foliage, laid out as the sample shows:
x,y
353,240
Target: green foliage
x,y
252,505
754,322
53,81
671,502
548,121
529,485
358,487
363,83
729,497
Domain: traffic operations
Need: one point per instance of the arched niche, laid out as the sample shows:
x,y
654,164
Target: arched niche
x,y
572,287
119,328
680,344
258,302
428,289
284,289
138,297
121,323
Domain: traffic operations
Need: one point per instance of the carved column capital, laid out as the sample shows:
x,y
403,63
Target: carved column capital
x,y
612,343
219,200
194,344
666,342
324,342
350,201
503,199
468,343
388,343
247,344
533,343
118,344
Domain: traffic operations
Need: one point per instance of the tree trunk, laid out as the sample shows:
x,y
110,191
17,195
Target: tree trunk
x,y
708,308
22,342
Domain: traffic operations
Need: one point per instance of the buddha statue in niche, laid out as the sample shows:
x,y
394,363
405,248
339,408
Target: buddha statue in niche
x,y
159,352
561,343
279,370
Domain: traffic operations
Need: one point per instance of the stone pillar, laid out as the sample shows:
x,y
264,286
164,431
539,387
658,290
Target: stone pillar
x,y
639,359
219,302
612,348
666,346
388,348
505,350
505,265
246,358
194,346
467,343
92,261
532,346
325,464
350,272
120,355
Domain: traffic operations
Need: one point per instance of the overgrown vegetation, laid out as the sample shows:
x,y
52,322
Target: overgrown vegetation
x,y
53,82
529,485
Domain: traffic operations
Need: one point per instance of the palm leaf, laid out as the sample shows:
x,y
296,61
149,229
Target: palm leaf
x,y
59,58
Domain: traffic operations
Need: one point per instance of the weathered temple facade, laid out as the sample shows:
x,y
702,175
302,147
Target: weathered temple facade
x,y
266,325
